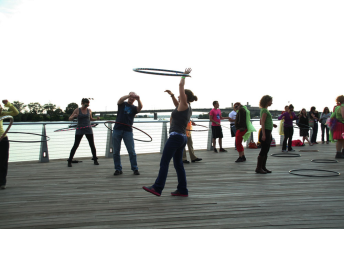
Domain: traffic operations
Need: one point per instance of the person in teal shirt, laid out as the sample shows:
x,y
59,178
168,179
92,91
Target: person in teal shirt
x,y
265,136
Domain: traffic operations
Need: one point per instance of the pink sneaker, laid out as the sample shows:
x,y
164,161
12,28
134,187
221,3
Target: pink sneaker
x,y
177,193
151,190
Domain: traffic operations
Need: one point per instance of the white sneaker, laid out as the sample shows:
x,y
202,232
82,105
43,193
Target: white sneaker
x,y
3,187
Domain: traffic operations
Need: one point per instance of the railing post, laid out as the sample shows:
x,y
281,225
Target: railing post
x,y
210,137
109,147
163,136
43,154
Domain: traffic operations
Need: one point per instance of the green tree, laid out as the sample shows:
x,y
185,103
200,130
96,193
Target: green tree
x,y
70,108
35,108
19,105
49,108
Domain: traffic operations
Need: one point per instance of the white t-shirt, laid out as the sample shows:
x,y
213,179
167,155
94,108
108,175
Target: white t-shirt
x,y
233,115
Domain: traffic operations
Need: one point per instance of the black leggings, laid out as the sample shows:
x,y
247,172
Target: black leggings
x,y
78,138
4,150
288,135
265,144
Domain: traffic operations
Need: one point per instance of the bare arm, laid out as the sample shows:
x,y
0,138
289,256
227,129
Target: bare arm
x,y
175,101
263,119
12,111
74,114
183,105
139,107
211,119
93,119
121,100
342,111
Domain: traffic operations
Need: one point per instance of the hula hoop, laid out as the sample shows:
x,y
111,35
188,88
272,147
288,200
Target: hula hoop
x,y
9,126
145,70
328,171
199,130
324,160
47,138
131,127
308,151
71,128
286,155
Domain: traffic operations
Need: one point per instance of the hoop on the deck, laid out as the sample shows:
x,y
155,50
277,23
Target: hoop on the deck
x,y
333,173
199,130
308,150
47,138
324,160
286,155
170,72
72,128
9,126
151,139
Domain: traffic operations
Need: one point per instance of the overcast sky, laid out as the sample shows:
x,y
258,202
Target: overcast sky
x,y
62,51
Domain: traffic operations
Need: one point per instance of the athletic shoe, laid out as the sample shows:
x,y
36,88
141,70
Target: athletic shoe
x,y
177,193
292,150
117,172
243,158
284,151
136,172
239,160
339,155
222,150
215,150
196,160
186,161
3,187
96,162
151,190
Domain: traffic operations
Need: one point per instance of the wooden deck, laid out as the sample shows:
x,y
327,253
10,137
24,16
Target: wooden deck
x,y
222,194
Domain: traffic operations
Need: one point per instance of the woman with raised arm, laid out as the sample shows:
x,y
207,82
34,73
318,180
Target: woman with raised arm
x,y
4,143
175,144
84,116
265,137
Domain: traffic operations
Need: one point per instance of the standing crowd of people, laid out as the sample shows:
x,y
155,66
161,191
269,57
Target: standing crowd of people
x,y
180,133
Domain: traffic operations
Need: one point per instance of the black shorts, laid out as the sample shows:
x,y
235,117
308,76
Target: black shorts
x,y
217,132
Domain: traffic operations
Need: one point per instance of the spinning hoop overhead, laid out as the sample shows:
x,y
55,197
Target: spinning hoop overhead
x,y
131,127
9,126
170,72
71,128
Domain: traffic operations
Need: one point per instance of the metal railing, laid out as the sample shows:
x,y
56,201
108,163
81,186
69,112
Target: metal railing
x,y
61,143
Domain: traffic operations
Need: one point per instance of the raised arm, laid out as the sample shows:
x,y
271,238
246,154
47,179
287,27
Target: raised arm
x,y
183,105
122,99
175,101
12,111
139,106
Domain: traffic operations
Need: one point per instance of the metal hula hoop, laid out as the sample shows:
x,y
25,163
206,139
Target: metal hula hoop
x,y
145,70
47,138
131,127
334,173
324,160
286,155
9,126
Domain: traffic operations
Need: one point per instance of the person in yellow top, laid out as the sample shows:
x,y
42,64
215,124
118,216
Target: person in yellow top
x,y
4,144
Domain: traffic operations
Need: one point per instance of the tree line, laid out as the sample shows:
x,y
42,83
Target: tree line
x,y
34,111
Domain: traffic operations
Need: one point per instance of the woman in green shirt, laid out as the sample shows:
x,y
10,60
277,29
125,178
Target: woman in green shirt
x,y
265,136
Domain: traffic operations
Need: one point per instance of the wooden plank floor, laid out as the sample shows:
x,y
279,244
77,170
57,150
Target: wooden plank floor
x,y
222,194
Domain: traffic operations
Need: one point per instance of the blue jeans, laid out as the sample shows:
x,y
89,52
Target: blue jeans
x,y
117,136
174,148
315,132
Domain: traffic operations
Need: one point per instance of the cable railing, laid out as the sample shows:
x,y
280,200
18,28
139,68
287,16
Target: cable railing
x,y
60,143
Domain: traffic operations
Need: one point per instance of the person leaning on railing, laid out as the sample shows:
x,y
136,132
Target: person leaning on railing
x,y
265,137
4,144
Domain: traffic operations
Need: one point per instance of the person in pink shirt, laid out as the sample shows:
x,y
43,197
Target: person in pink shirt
x,y
216,117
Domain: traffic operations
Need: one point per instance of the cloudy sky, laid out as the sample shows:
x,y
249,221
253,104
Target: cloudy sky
x,y
62,51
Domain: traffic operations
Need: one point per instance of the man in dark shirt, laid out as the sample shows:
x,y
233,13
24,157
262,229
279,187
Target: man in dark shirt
x,y
125,115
